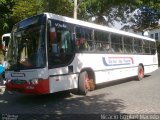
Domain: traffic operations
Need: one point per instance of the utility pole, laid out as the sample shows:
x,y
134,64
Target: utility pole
x,y
75,9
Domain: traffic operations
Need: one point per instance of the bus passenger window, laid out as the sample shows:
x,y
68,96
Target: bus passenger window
x,y
138,46
116,43
91,45
54,48
60,48
83,38
146,47
152,47
128,44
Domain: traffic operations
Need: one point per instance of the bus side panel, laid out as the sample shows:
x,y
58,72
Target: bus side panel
x,y
108,67
151,65
61,82
115,74
149,62
149,69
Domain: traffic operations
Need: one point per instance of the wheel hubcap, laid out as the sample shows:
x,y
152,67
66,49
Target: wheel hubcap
x,y
141,73
86,83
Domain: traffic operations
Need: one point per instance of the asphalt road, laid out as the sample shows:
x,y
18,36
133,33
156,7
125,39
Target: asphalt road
x,y
125,97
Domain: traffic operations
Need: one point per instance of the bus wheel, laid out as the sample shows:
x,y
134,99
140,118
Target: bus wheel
x,y
91,84
83,85
140,72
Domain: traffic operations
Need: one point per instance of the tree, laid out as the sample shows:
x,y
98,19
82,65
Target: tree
x,y
144,14
5,7
5,13
61,7
107,11
104,11
26,8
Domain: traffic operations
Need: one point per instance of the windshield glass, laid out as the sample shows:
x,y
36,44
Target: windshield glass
x,y
27,46
60,45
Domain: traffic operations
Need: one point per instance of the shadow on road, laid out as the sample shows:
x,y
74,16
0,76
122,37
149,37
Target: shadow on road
x,y
63,105
59,105
63,102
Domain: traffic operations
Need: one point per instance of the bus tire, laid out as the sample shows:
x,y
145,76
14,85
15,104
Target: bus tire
x,y
83,85
140,72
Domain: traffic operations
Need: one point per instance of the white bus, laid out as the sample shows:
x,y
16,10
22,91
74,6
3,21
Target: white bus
x,y
5,41
49,53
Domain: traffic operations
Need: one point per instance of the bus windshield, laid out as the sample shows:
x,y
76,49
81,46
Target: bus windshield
x,y
27,46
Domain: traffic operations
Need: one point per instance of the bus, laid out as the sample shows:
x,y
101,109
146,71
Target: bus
x,y
3,51
49,53
5,41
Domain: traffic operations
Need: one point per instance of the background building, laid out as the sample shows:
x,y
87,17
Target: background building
x,y
153,32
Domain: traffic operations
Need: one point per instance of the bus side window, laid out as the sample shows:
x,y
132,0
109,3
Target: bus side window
x,y
116,43
146,47
138,45
53,46
128,44
152,47
80,39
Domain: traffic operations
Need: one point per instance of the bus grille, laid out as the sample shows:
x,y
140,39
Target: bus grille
x,y
18,81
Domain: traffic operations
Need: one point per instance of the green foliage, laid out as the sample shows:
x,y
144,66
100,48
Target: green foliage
x,y
104,11
150,13
5,8
61,7
5,15
112,9
26,8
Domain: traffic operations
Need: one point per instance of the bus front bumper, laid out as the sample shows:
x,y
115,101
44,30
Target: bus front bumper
x,y
40,88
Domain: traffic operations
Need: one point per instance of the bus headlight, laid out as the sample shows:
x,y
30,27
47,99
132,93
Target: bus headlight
x,y
7,80
34,81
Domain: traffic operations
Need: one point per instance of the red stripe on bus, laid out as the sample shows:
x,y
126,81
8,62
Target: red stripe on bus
x,y
41,88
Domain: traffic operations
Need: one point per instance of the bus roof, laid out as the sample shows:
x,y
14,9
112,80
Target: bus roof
x,y
95,26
